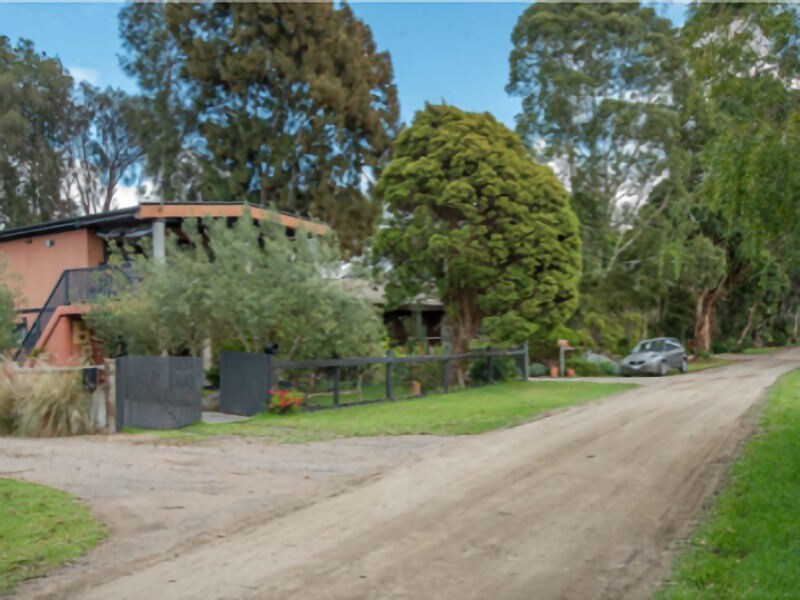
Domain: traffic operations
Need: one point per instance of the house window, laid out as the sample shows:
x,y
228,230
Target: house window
x,y
49,243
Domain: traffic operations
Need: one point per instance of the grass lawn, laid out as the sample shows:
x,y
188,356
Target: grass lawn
x,y
749,546
711,363
40,528
466,412
369,391
770,350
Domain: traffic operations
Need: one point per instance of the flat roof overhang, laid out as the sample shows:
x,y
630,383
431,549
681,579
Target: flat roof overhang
x,y
151,211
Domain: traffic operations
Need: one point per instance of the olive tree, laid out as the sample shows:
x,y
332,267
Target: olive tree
x,y
246,284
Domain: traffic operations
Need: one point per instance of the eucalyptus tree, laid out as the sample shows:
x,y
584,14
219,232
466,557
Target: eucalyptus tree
x,y
597,85
105,148
744,60
36,123
167,121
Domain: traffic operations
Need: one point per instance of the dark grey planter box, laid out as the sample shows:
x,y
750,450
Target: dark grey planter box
x,y
159,392
244,382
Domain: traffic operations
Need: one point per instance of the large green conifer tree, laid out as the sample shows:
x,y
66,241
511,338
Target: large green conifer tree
x,y
473,219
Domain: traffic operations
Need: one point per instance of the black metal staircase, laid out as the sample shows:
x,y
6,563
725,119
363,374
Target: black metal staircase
x,y
74,286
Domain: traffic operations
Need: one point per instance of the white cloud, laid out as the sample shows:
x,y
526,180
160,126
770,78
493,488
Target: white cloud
x,y
126,195
91,76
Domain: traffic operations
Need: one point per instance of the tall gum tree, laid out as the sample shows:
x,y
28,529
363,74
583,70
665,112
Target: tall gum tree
x,y
288,104
36,123
596,83
470,217
744,60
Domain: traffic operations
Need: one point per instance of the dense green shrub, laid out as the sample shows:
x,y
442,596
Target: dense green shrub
x,y
537,370
585,368
720,347
503,368
544,346
8,313
609,368
429,374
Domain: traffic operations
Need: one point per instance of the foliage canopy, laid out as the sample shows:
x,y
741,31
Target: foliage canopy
x,y
246,284
473,219
288,104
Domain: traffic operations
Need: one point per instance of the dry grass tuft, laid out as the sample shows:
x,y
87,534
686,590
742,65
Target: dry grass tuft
x,y
6,405
43,403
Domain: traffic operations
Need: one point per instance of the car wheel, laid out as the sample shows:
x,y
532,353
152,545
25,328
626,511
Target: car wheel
x,y
684,366
662,369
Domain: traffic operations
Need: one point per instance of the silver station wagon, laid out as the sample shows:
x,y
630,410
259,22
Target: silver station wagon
x,y
655,357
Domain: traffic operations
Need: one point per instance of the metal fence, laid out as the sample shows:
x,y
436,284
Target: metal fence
x,y
158,392
247,381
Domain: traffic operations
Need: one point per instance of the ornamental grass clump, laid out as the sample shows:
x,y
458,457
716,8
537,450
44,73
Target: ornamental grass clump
x,y
50,404
42,403
6,405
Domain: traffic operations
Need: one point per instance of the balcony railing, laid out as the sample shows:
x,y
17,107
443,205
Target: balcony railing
x,y
75,286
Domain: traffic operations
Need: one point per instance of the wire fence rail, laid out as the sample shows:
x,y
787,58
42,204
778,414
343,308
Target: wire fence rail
x,y
248,381
382,378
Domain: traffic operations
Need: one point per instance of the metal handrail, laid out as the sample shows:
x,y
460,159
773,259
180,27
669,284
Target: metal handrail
x,y
69,288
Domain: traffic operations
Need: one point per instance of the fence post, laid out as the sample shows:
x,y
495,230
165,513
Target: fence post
x,y
446,369
490,364
389,391
270,377
524,362
336,377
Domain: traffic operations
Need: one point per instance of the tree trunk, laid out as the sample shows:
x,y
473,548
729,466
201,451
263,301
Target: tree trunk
x,y
112,187
748,325
463,329
704,319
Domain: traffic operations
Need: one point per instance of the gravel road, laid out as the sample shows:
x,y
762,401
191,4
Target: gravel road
x,y
583,504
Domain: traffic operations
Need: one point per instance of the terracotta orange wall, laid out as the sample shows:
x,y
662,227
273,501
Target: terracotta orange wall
x,y
59,346
38,267
59,340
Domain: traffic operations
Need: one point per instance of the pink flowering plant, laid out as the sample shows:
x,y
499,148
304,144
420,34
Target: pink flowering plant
x,y
285,401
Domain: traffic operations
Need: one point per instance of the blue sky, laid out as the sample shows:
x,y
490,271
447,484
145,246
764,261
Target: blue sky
x,y
456,52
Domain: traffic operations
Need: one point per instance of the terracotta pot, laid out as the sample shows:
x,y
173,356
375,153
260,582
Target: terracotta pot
x,y
416,388
570,372
553,371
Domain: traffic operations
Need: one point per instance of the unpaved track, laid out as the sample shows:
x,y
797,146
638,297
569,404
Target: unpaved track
x,y
583,504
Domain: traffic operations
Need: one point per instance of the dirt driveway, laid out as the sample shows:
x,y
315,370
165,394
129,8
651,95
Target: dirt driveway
x,y
583,504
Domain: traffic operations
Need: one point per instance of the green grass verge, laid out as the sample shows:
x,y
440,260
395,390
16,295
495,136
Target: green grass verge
x,y
749,545
702,365
40,528
370,391
466,412
770,350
